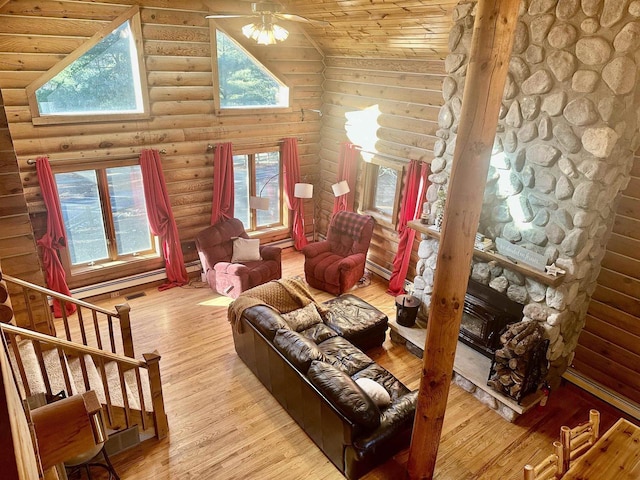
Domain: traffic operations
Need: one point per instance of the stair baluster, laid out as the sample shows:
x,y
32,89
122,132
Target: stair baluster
x,y
65,371
112,340
23,375
143,408
96,328
83,333
43,368
125,397
105,384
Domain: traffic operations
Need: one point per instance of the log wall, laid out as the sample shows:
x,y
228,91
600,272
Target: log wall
x,y
609,346
183,121
17,244
389,107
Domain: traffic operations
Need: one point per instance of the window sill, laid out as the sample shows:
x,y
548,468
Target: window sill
x,y
85,275
264,232
380,219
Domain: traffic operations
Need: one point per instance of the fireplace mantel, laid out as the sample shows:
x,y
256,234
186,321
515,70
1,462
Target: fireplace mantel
x,y
541,277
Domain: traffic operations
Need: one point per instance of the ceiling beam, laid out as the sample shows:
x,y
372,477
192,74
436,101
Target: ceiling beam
x,y
487,71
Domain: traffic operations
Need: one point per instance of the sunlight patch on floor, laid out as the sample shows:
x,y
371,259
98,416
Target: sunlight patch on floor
x,y
217,302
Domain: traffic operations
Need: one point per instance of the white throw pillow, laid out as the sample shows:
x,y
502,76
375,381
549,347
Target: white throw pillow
x,y
246,250
376,391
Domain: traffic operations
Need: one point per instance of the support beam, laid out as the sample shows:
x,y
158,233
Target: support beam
x,y
488,65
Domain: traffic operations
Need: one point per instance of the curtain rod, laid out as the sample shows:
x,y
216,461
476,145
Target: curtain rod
x,y
32,161
384,155
211,146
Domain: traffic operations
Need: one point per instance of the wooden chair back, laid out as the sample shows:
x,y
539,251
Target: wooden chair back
x,y
550,468
576,441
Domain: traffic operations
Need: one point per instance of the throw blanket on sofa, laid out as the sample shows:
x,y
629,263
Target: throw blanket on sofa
x,y
283,295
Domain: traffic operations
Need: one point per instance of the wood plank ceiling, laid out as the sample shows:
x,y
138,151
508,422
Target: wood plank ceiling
x,y
370,28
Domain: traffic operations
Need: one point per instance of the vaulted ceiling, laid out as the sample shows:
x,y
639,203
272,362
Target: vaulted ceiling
x,y
370,28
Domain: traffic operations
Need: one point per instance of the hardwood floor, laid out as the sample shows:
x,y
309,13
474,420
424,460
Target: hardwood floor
x,y
225,425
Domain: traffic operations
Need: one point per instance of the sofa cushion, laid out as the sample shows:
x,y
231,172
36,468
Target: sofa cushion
x,y
376,391
344,394
246,250
379,375
318,333
303,318
266,319
344,355
299,350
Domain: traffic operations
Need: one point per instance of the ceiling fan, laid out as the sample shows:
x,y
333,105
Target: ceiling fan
x,y
265,30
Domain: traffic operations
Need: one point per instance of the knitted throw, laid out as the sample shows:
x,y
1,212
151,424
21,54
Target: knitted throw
x,y
283,295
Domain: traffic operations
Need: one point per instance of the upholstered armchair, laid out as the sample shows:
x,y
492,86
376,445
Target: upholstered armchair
x,y
337,263
215,246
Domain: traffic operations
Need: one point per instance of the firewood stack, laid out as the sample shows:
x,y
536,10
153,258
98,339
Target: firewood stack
x,y
521,363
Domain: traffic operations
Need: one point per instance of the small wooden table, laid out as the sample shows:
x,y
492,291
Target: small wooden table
x,y
615,456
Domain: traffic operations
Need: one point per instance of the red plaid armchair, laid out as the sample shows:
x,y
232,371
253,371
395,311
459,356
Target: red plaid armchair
x,y
336,264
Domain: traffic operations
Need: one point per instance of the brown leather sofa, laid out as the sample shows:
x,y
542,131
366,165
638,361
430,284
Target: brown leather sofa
x,y
311,372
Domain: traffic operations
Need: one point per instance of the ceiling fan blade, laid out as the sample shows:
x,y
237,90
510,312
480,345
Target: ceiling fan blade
x,y
298,18
229,15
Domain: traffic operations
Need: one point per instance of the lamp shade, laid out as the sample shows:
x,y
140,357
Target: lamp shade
x,y
340,188
259,203
303,190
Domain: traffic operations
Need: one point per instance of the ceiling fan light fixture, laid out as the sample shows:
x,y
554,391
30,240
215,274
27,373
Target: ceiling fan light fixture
x,y
265,33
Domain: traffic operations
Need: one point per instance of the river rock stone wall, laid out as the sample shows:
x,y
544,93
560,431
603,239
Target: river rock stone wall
x,y
563,152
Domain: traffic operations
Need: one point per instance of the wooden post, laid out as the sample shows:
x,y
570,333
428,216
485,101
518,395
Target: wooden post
x,y
486,75
125,329
155,383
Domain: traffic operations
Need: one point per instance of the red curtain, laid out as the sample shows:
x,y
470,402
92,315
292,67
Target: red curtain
x,y
55,237
347,170
415,187
291,171
223,189
161,218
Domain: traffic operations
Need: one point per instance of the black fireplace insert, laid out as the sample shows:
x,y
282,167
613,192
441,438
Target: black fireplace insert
x,y
487,313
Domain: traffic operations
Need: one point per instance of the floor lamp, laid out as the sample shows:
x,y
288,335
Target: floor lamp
x,y
305,190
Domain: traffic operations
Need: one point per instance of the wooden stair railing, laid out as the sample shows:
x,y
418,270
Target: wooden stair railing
x,y
121,314
101,359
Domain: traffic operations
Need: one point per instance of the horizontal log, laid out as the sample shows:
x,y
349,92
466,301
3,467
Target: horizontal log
x,y
622,264
187,49
84,10
616,281
411,95
391,65
391,78
597,330
617,300
624,381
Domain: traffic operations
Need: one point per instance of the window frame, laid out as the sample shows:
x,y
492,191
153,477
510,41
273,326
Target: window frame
x,y
368,192
153,256
133,16
253,230
269,69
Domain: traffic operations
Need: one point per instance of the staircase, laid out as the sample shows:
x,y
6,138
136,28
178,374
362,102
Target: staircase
x,y
45,366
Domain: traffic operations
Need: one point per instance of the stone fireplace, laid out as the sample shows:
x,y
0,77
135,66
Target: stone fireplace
x,y
564,148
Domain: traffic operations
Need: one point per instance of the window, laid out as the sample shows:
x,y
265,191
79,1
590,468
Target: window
x,y
102,77
104,215
382,190
258,174
243,82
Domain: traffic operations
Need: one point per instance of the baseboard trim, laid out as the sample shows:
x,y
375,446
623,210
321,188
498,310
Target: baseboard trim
x,y
603,393
128,282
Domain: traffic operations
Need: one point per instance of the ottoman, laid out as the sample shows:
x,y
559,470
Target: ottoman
x,y
354,319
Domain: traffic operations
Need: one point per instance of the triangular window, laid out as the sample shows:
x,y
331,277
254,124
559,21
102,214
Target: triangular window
x,y
243,82
103,77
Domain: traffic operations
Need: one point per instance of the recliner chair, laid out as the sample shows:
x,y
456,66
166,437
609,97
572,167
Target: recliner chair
x,y
215,249
337,263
